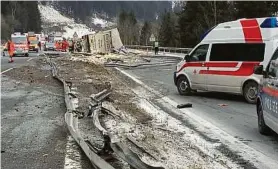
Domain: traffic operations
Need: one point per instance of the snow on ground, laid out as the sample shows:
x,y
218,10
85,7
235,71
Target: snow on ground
x,y
50,15
53,17
98,21
102,22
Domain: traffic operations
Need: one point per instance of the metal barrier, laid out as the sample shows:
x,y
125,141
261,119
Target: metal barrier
x,y
161,49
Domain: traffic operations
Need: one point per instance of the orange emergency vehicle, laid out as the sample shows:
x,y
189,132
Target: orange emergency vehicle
x,y
33,42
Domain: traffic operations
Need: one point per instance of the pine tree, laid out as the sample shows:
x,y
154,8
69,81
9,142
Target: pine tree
x,y
145,33
255,9
128,28
198,17
167,31
20,15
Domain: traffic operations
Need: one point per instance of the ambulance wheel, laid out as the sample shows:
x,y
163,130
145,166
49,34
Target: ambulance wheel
x,y
250,91
263,128
183,86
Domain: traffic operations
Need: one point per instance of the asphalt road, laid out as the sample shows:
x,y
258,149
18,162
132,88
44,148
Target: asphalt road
x,y
33,131
238,118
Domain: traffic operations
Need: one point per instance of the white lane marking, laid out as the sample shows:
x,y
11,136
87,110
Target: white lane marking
x,y
6,70
29,59
72,156
259,159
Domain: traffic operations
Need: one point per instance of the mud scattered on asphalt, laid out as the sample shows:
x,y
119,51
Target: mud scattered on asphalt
x,y
90,78
33,74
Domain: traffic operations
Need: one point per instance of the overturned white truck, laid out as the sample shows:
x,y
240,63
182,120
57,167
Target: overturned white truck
x,y
102,41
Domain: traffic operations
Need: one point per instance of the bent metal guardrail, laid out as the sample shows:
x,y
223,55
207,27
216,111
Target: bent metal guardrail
x,y
164,49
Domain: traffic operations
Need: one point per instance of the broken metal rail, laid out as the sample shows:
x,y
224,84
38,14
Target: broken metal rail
x,y
72,123
163,49
95,109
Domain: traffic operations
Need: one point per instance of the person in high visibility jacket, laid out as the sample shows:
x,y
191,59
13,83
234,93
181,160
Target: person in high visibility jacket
x,y
10,47
64,45
57,46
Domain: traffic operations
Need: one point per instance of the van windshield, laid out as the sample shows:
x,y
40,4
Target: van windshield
x,y
275,55
19,40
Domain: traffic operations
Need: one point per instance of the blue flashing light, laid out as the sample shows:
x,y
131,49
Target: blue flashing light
x,y
207,32
270,23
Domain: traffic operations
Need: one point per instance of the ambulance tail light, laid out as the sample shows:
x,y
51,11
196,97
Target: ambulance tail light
x,y
270,23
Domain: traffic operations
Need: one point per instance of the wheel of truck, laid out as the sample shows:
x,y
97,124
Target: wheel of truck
x,y
250,92
26,54
263,128
183,86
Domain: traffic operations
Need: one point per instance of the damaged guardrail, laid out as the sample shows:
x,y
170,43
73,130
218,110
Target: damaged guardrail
x,y
139,64
163,49
95,108
118,147
72,122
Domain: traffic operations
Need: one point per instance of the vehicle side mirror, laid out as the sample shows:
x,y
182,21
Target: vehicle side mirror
x,y
186,58
258,70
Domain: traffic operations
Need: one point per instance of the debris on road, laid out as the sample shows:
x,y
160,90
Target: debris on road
x,y
222,105
187,105
119,123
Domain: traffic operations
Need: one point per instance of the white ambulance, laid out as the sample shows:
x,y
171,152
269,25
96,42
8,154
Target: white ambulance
x,y
225,58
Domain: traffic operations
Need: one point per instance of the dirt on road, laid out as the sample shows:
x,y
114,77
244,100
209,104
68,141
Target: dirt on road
x,y
157,138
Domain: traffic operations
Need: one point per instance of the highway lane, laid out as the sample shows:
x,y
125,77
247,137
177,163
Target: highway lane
x,y
33,131
18,61
238,118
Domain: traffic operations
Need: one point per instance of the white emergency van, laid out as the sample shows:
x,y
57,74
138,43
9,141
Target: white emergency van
x,y
225,58
20,43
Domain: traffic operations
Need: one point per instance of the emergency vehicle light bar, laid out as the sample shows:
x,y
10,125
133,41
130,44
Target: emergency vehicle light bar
x,y
270,23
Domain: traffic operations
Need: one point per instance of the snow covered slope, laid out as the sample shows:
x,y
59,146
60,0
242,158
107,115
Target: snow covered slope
x,y
101,22
51,17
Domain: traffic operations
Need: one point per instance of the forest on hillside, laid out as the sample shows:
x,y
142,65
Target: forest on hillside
x,y
136,21
81,10
19,16
185,28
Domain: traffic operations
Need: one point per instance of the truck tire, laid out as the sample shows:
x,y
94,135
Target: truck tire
x,y
250,91
26,54
263,128
183,86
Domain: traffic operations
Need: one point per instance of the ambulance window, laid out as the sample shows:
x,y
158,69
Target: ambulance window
x,y
237,52
199,54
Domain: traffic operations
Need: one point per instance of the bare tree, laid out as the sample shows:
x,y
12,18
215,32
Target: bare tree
x,y
13,8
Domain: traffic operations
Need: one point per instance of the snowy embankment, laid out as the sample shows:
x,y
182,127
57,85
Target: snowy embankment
x,y
52,17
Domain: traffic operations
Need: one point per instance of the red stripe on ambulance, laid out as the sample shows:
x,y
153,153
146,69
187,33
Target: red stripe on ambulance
x,y
246,69
251,30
